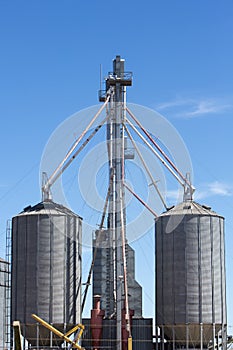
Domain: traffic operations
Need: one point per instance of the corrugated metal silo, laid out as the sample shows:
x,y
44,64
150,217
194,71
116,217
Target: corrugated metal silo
x,y
190,276
46,269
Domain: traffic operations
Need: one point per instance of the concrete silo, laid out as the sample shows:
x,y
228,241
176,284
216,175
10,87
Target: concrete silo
x,y
190,277
46,269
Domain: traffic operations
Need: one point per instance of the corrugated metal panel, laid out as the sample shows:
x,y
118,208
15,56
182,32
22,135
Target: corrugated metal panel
x,y
190,272
142,334
46,267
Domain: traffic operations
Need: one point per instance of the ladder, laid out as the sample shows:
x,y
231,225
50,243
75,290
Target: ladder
x,y
7,299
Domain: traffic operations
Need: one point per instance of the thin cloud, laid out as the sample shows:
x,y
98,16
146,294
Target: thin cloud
x,y
192,108
220,188
215,188
174,103
203,191
207,107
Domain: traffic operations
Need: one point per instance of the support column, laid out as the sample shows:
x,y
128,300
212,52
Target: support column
x,y
187,336
162,339
156,338
37,335
213,336
201,336
173,337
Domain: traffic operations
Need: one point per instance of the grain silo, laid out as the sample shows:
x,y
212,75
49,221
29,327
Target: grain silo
x,y
190,277
46,269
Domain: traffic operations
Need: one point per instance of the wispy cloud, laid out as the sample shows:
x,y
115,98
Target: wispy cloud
x,y
191,108
174,103
207,107
215,188
203,191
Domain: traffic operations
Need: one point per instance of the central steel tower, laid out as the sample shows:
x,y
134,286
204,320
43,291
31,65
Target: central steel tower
x,y
116,83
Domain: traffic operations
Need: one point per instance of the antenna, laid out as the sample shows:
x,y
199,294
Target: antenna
x,y
100,75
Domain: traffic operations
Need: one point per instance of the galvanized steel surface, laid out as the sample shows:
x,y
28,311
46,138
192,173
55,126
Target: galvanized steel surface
x,y
142,334
46,266
190,273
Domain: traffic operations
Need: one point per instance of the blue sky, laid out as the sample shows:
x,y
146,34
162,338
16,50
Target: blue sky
x,y
181,56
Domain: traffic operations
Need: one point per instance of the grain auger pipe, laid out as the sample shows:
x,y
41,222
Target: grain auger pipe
x,y
68,159
65,337
153,182
162,156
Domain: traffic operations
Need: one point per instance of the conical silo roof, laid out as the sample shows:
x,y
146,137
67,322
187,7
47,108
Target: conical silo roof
x,y
47,207
190,208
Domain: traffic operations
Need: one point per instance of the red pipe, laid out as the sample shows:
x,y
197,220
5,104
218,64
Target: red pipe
x,y
96,323
124,331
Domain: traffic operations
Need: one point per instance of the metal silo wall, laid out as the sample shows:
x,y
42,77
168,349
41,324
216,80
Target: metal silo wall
x,y
190,277
46,271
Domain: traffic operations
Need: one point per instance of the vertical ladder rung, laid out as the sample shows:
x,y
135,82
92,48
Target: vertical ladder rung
x,y
7,307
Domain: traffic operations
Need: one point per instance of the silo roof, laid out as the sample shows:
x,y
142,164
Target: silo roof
x,y
47,207
190,208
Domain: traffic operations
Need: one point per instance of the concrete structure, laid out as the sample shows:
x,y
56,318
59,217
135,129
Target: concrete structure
x,y
4,302
190,277
46,269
